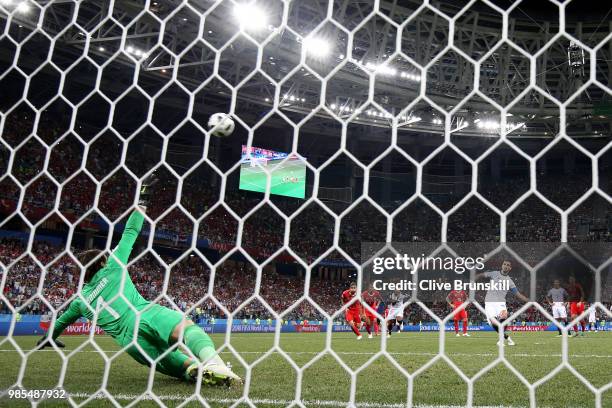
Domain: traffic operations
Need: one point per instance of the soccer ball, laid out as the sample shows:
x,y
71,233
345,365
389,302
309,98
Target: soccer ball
x,y
221,124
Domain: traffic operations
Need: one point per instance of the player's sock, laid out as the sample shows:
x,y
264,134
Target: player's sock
x,y
456,326
583,325
355,330
496,328
565,324
465,327
376,327
201,345
368,328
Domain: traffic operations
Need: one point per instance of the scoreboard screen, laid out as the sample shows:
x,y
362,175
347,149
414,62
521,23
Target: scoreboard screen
x,y
287,172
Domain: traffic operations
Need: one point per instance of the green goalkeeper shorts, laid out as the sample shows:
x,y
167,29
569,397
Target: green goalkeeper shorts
x,y
156,325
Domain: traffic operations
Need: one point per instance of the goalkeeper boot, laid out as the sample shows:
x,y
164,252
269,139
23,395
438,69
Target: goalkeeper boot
x,y
46,342
191,373
219,374
213,374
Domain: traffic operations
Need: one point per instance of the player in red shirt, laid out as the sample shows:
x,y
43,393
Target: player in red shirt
x,y
354,311
455,300
576,301
372,298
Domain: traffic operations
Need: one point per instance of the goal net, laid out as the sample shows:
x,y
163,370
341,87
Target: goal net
x,y
436,130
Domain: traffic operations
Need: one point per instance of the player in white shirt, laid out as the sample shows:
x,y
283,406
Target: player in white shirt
x,y
592,318
557,297
495,299
395,312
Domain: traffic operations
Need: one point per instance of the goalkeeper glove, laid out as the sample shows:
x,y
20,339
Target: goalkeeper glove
x,y
146,188
46,342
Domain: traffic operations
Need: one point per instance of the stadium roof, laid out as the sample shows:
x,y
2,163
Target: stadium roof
x,y
200,38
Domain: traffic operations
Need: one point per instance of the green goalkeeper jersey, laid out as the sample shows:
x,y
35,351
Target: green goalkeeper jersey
x,y
111,292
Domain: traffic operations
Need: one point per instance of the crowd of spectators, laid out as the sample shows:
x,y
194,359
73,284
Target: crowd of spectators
x,y
311,232
185,286
36,285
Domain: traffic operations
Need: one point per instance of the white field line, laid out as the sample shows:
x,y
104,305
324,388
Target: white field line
x,y
265,401
364,353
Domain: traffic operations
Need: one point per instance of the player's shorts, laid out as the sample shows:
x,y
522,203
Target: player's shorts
x,y
155,327
460,315
369,314
494,310
352,316
592,318
395,312
559,311
575,309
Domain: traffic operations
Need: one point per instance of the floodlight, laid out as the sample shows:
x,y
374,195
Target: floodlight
x,y
250,17
317,47
23,7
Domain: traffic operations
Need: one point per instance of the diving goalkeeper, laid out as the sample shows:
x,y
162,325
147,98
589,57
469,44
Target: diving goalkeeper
x,y
157,328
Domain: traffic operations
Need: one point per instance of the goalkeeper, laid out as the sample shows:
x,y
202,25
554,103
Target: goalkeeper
x,y
128,314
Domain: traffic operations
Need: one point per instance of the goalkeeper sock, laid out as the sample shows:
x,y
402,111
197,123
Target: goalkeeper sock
x,y
200,344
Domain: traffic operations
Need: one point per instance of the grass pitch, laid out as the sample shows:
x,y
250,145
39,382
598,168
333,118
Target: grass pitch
x,y
324,382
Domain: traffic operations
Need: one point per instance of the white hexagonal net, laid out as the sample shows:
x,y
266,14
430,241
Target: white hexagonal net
x,y
98,96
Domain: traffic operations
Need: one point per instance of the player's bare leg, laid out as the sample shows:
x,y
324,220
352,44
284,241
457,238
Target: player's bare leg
x,y
368,325
355,329
215,371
